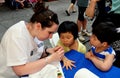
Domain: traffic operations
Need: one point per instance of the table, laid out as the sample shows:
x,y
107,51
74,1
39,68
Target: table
x,y
82,62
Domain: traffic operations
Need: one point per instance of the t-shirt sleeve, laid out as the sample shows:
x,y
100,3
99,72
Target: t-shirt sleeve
x,y
81,48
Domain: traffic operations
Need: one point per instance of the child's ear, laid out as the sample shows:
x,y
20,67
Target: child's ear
x,y
105,44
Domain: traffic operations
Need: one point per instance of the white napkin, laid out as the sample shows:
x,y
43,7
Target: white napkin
x,y
85,73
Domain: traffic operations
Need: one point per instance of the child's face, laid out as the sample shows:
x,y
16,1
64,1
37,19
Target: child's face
x,y
67,39
94,41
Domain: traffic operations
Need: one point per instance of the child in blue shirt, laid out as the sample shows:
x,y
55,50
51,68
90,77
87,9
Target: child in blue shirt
x,y
102,54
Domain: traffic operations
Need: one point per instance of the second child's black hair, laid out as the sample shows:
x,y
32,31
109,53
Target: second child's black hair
x,y
105,32
68,26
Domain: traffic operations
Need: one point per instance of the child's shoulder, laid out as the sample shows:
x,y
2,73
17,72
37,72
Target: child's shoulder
x,y
81,47
80,43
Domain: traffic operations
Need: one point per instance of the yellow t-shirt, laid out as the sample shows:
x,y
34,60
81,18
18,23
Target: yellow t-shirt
x,y
81,47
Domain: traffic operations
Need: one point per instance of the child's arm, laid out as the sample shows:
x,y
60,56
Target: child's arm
x,y
103,65
68,63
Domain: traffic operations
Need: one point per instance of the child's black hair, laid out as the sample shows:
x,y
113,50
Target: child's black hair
x,y
68,26
106,32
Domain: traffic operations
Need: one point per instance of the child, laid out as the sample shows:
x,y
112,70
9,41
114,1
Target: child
x,y
68,33
102,54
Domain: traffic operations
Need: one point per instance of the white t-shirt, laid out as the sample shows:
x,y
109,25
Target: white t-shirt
x,y
17,48
40,45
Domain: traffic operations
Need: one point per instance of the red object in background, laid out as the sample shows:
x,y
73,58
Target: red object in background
x,y
50,0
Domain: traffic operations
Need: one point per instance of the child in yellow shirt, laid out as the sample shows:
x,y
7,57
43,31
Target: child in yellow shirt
x,y
68,33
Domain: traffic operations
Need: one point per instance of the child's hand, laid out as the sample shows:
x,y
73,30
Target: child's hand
x,y
68,63
89,55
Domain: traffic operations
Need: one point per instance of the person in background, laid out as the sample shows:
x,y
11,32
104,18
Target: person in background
x,y
71,8
68,34
82,21
91,9
18,50
102,54
108,5
19,4
1,2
